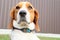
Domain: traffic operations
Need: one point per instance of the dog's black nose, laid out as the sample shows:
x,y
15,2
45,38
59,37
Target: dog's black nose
x,y
22,13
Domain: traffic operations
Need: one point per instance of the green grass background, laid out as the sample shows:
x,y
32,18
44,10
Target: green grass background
x,y
48,38
6,37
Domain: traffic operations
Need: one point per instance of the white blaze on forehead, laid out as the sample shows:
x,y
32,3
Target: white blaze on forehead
x,y
27,13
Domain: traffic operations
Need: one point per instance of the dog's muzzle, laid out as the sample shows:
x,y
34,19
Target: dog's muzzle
x,y
22,16
22,20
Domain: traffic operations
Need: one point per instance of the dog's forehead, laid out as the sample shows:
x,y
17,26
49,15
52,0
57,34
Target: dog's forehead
x,y
24,3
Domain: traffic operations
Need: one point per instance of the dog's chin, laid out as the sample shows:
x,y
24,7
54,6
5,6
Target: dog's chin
x,y
23,23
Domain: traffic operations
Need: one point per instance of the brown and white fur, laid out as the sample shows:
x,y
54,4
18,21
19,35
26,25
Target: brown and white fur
x,y
31,18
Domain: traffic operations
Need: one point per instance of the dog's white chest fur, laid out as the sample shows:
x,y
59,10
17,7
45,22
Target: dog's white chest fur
x,y
18,35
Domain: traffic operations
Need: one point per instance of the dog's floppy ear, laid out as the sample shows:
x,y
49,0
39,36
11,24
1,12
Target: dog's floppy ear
x,y
12,17
36,20
12,12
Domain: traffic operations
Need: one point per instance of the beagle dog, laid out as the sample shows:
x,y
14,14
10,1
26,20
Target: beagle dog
x,y
24,20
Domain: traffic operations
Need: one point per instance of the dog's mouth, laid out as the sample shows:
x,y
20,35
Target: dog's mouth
x,y
22,19
23,22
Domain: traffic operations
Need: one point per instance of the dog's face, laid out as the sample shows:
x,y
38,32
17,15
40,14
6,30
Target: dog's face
x,y
24,12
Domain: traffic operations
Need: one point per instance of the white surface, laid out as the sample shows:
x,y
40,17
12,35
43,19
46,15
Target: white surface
x,y
48,35
5,31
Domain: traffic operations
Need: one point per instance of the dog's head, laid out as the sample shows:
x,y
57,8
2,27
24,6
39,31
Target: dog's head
x,y
24,12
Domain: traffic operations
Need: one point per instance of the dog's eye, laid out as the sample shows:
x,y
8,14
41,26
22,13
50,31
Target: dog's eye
x,y
17,7
29,7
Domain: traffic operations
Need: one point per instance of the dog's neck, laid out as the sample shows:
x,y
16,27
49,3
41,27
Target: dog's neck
x,y
25,30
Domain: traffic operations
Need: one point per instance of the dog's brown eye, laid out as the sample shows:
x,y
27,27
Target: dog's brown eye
x,y
17,7
30,7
